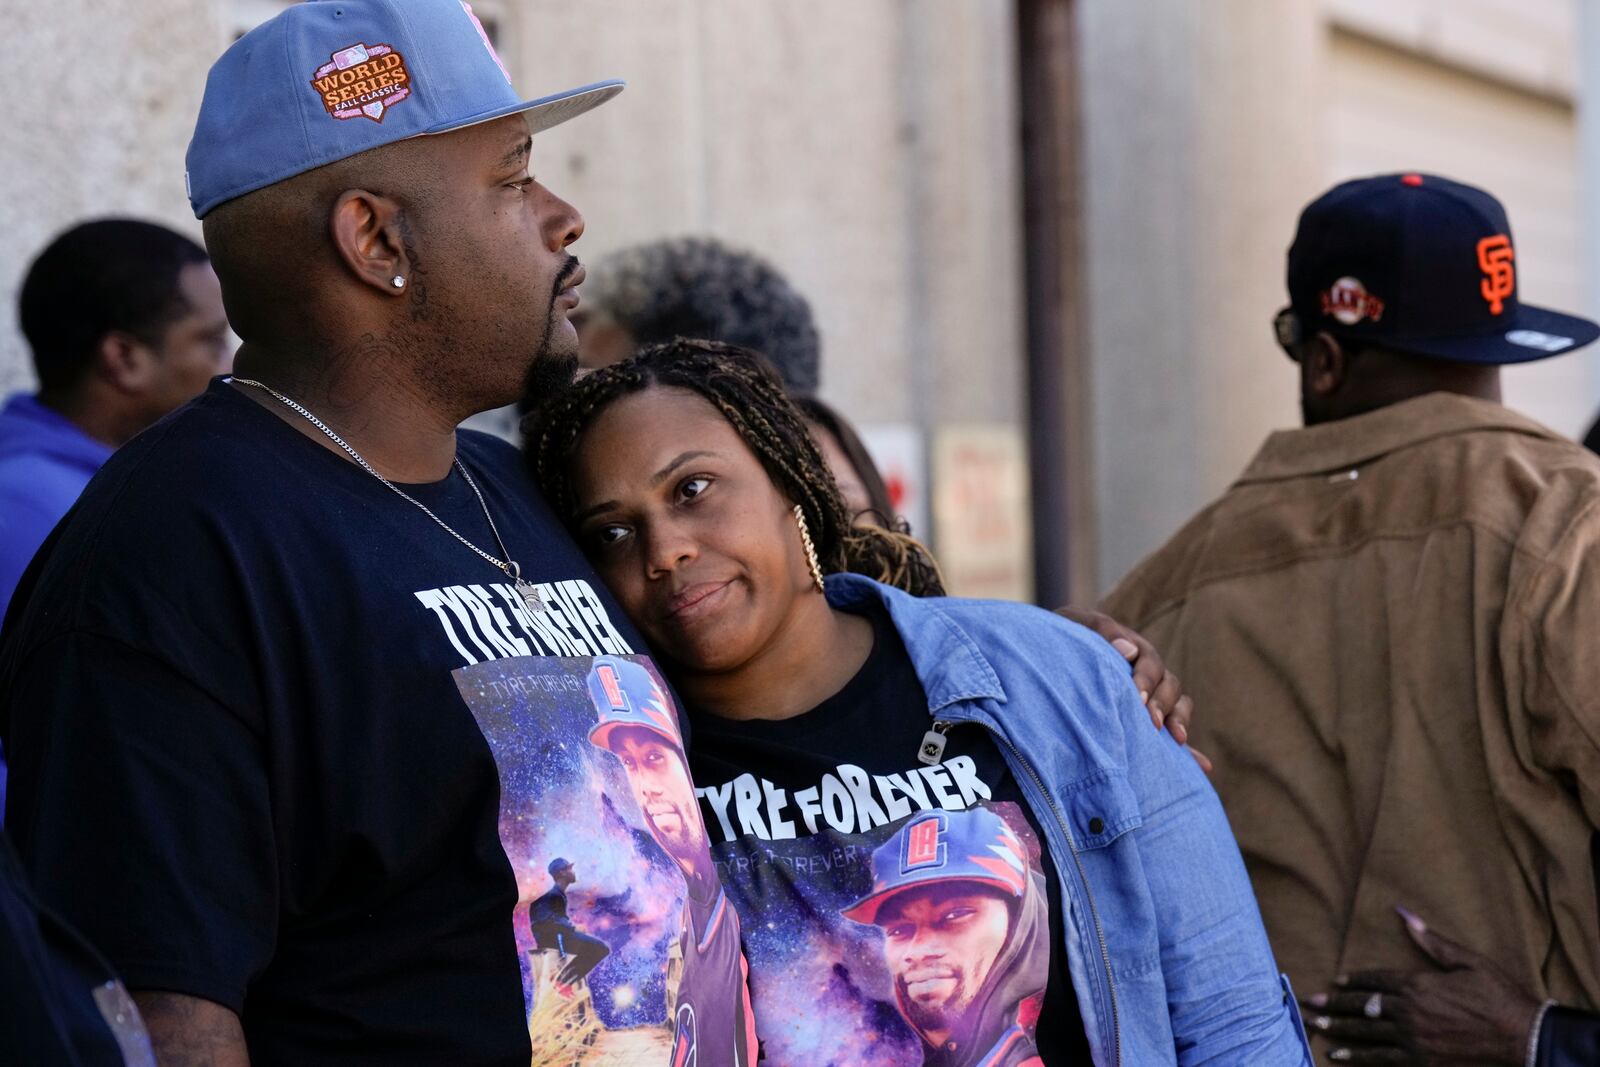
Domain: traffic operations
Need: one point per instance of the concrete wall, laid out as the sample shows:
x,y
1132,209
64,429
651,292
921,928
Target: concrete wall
x,y
868,149
102,101
1201,146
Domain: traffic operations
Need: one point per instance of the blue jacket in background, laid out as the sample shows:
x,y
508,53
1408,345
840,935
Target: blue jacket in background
x,y
45,461
1164,941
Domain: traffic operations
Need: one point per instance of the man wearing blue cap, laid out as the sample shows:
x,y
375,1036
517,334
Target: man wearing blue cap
x,y
711,1016
965,924
552,930
1388,622
228,685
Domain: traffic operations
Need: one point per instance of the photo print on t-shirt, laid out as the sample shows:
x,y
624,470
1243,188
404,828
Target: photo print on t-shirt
x,y
630,950
899,939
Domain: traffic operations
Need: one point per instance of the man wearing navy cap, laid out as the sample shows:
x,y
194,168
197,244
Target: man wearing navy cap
x,y
1388,621
229,688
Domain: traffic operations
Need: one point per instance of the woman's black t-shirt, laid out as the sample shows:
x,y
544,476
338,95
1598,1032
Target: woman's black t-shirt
x,y
894,912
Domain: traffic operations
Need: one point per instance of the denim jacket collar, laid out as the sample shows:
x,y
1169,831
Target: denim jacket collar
x,y
945,657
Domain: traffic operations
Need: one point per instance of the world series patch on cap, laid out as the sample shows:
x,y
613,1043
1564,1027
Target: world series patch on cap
x,y
625,694
326,79
940,848
1419,264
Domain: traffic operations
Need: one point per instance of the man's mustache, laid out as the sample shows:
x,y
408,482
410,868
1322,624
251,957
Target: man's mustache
x,y
568,269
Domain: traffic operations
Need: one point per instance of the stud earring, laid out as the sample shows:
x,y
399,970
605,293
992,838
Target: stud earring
x,y
399,282
811,549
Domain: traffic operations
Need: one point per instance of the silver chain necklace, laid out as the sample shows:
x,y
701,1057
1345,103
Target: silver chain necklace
x,y
525,589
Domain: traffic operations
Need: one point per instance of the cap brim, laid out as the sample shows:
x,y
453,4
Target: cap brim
x,y
865,911
600,735
1535,333
545,112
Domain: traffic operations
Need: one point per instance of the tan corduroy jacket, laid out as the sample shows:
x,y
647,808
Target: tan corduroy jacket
x,y
1390,626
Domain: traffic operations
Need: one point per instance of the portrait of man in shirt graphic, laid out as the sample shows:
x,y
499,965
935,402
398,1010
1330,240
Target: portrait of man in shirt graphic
x,y
965,923
638,725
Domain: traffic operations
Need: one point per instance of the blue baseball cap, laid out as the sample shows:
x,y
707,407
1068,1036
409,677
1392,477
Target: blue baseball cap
x,y
625,694
560,863
326,79
937,847
1419,264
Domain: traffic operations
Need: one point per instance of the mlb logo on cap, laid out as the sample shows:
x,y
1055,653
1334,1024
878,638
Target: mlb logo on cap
x,y
326,79
940,848
1418,264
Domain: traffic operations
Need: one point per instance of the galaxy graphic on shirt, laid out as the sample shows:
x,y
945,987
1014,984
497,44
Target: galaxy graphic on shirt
x,y
600,899
924,939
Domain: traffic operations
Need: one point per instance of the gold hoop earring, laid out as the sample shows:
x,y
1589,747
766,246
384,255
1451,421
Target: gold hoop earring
x,y
811,549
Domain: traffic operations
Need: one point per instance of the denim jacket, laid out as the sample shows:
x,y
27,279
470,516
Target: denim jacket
x,y
1164,942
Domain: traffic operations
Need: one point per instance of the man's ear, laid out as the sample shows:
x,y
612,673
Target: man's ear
x,y
365,227
1327,364
129,364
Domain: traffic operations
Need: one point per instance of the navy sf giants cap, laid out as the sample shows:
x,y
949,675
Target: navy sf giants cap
x,y
1419,264
326,79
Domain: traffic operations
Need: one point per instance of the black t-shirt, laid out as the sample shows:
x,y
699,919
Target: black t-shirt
x,y
59,1002
260,711
895,912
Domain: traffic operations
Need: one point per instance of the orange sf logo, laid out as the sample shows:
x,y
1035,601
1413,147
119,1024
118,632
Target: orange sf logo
x,y
1499,277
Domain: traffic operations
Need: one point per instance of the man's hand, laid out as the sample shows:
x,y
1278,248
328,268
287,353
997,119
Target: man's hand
x,y
1159,688
1468,1011
191,1032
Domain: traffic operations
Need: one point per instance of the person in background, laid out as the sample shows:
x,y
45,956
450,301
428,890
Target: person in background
x,y
860,482
1388,621
125,322
698,287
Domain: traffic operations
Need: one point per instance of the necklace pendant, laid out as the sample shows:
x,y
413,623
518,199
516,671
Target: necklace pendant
x,y
530,595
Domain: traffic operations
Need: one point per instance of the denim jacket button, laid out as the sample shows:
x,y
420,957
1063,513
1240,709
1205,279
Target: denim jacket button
x,y
1097,825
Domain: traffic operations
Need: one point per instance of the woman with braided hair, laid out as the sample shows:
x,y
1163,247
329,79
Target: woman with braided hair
x,y
951,834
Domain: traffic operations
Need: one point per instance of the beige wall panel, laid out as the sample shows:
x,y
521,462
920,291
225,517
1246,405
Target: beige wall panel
x,y
1201,145
965,258
1392,111
807,163
631,166
1525,42
867,149
103,97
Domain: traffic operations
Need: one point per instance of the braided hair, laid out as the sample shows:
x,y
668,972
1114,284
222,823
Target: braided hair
x,y
736,382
